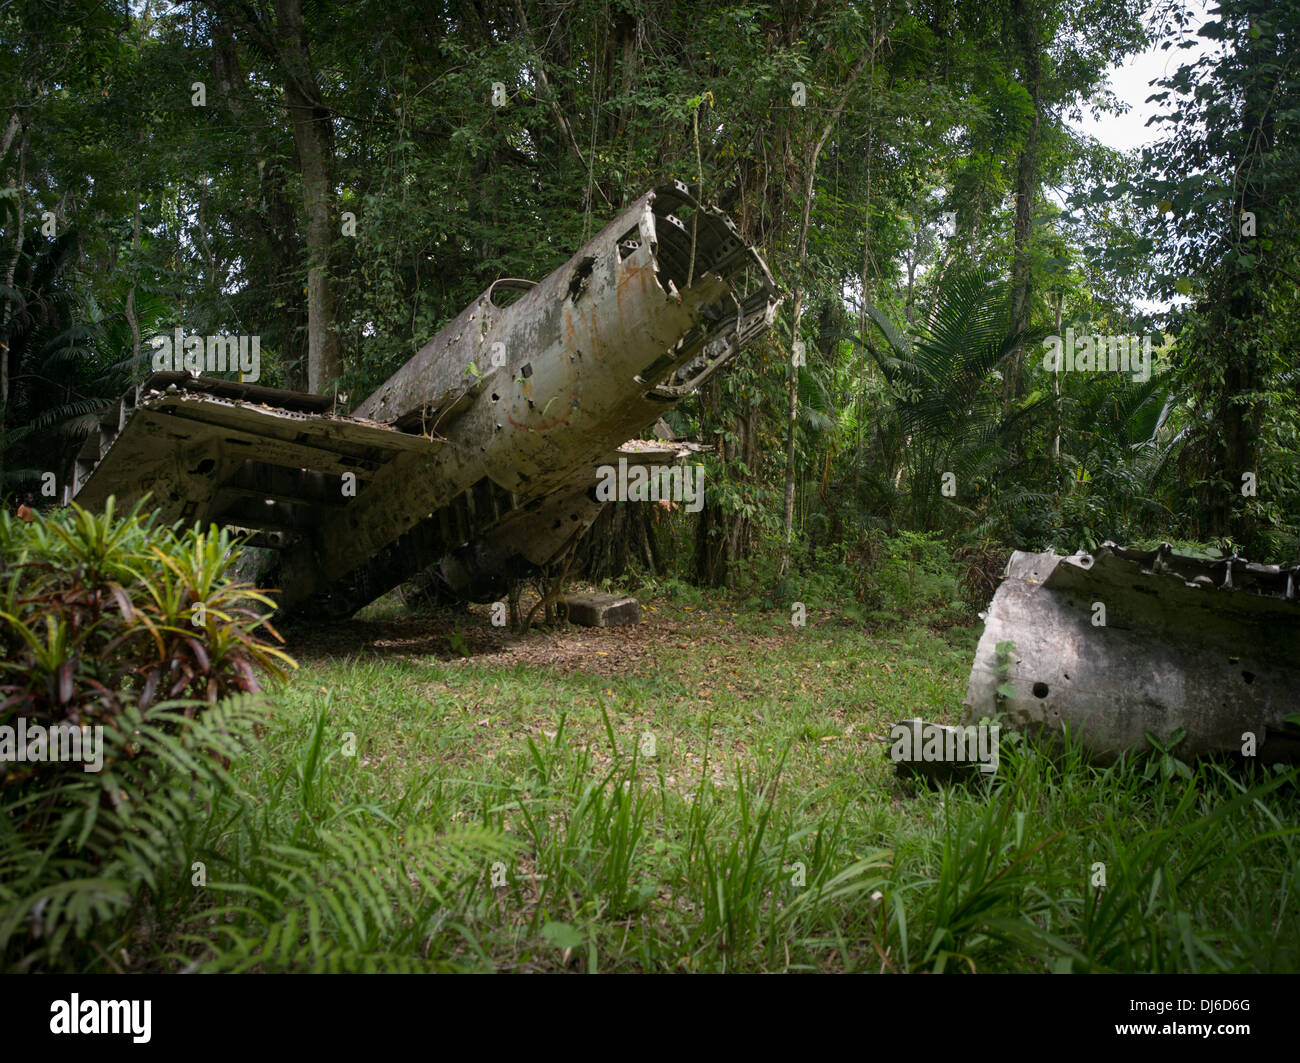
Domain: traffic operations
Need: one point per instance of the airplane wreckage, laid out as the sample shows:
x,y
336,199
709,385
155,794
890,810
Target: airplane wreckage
x,y
477,463
477,460
1120,643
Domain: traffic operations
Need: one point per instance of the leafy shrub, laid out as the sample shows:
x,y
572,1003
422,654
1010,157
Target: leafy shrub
x,y
97,613
907,575
133,632
82,852
980,565
679,592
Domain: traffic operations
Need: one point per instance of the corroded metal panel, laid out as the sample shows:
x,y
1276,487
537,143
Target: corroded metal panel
x,y
201,455
1119,643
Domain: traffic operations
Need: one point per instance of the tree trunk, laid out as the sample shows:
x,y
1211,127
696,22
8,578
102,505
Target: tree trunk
x,y
1029,39
723,535
138,370
622,531
1056,387
312,135
1237,337
10,271
792,407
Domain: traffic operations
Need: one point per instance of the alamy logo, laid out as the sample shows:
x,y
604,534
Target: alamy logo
x,y
936,743
654,483
102,1016
36,744
1088,354
180,353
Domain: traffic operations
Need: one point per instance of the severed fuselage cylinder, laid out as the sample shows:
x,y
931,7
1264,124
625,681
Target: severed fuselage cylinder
x,y
1118,646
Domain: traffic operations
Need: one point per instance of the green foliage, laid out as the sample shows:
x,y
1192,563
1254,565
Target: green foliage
x,y
98,613
943,398
458,642
136,633
910,575
303,884
676,590
614,859
1017,867
194,217
85,856
101,640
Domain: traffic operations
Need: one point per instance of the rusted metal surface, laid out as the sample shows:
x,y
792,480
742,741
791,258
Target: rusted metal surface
x,y
477,458
1120,643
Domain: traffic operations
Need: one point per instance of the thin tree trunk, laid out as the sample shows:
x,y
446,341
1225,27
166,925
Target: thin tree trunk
x,y
792,409
868,261
1056,388
11,130
556,110
276,220
132,319
1030,42
312,137
1238,340
10,271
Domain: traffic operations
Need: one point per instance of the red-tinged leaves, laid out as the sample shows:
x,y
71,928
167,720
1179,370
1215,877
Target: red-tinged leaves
x,y
245,671
123,602
200,654
99,615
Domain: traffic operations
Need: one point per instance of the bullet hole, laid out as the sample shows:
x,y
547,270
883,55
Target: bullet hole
x,y
1040,690
205,466
1067,675
1249,677
495,397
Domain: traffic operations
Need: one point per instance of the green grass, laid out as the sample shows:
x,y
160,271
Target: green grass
x,y
409,808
